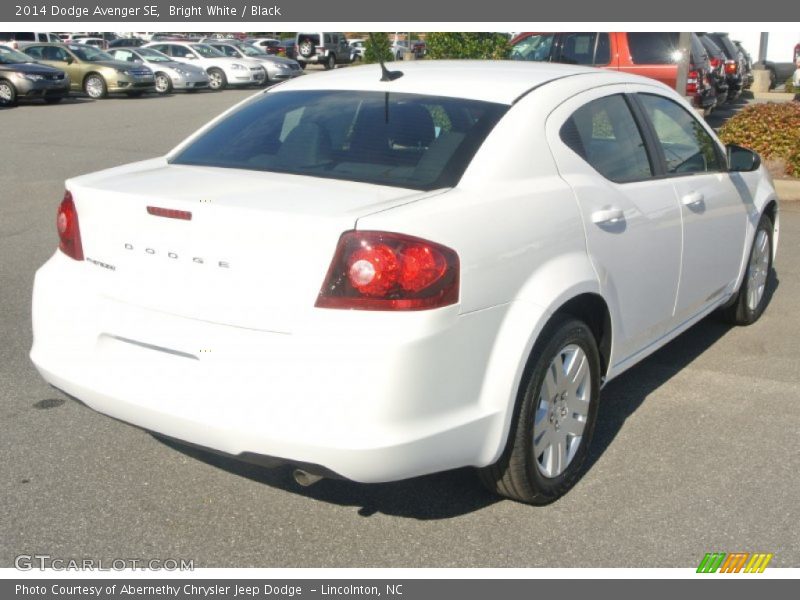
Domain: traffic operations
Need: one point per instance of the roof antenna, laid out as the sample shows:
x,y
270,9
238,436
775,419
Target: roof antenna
x,y
387,75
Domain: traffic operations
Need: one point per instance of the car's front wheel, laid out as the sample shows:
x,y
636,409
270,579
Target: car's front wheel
x,y
217,79
163,83
752,297
8,93
95,86
554,421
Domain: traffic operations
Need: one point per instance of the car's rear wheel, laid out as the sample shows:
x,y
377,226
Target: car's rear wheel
x,y
554,422
163,83
752,297
217,79
95,86
8,93
330,62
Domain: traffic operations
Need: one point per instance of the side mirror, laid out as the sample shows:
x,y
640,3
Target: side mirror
x,y
742,159
69,60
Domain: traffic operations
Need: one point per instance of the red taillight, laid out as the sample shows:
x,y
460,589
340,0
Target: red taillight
x,y
69,231
730,67
715,62
375,270
691,82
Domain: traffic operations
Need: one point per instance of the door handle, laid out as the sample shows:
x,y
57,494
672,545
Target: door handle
x,y
607,215
692,198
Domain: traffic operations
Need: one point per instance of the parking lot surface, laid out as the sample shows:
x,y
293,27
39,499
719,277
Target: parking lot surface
x,y
695,449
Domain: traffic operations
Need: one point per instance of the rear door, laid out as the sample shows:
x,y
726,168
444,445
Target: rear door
x,y
713,211
632,219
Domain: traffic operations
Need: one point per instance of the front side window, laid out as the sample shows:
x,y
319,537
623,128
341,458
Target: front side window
x,y
604,133
687,146
206,51
402,140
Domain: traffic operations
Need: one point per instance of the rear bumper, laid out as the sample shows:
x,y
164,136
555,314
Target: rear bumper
x,y
370,396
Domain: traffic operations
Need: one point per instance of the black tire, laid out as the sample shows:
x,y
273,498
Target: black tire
x,y
53,99
773,78
163,83
8,93
217,79
519,474
330,62
306,48
95,86
742,310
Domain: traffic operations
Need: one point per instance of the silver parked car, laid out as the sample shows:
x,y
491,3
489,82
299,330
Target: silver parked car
x,y
169,74
277,67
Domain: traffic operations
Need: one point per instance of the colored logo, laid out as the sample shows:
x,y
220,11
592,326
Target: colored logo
x,y
737,562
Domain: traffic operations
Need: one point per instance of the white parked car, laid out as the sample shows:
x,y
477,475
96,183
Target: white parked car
x,y
169,74
378,279
222,70
277,68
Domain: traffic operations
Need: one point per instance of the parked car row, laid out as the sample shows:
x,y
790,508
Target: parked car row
x,y
719,69
51,70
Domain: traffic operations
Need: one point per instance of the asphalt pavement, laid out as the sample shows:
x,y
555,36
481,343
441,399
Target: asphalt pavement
x,y
696,447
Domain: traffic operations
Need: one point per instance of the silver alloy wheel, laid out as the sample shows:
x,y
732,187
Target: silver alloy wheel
x,y
561,411
215,80
6,93
162,83
95,87
758,270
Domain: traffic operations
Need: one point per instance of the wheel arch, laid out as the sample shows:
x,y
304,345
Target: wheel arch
x,y
525,324
89,74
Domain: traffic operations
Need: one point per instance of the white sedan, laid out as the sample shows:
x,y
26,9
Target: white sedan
x,y
378,277
222,70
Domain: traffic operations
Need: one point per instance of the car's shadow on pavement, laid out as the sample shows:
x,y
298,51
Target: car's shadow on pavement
x,y
458,492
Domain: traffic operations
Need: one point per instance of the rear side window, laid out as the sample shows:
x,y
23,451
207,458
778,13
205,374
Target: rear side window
x,y
658,48
402,140
604,133
584,49
687,146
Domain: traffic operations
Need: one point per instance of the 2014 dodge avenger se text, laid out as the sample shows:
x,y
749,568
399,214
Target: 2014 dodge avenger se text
x,y
421,272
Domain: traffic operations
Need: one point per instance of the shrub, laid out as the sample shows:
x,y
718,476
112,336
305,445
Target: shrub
x,y
377,45
772,130
467,45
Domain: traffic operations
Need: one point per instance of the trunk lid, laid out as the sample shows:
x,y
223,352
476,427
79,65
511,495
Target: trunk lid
x,y
254,253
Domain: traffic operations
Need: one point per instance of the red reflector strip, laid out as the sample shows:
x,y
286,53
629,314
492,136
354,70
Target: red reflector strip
x,y
169,213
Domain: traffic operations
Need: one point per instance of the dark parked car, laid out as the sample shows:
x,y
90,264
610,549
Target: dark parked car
x,y
733,66
747,75
20,77
717,59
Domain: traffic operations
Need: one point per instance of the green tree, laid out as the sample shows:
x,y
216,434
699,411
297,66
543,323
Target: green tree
x,y
467,45
377,45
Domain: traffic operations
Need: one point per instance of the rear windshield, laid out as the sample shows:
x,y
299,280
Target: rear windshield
x,y
402,140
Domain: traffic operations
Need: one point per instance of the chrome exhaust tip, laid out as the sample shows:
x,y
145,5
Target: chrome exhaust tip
x,y
305,478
